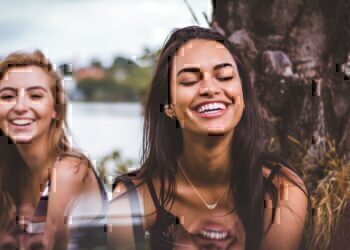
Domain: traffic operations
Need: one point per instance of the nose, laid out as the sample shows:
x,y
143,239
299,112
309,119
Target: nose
x,y
209,87
21,105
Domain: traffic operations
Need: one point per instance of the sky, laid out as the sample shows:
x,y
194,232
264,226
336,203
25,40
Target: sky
x,y
76,31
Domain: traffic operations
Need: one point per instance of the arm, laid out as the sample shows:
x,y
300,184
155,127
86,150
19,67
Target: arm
x,y
67,184
287,228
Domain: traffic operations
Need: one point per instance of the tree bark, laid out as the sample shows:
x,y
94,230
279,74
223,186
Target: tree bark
x,y
299,57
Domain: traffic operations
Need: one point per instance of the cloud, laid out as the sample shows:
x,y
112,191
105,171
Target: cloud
x,y
83,29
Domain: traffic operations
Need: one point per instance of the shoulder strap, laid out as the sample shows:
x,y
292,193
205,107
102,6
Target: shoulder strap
x,y
103,195
135,211
41,209
154,195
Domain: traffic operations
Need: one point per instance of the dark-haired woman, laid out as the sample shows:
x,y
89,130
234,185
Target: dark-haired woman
x,y
41,177
205,182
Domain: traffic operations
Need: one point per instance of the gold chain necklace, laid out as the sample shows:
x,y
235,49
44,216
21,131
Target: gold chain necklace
x,y
209,206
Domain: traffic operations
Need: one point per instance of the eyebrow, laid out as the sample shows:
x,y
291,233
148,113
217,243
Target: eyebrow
x,y
28,89
191,70
223,65
37,87
7,88
197,70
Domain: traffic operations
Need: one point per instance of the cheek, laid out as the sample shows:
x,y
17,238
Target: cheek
x,y
4,110
49,113
183,98
236,93
45,110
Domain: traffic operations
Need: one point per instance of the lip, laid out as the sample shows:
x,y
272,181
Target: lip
x,y
203,239
228,244
207,229
215,114
21,123
196,106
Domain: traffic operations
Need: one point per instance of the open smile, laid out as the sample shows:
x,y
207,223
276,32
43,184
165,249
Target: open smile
x,y
213,234
214,237
211,109
21,123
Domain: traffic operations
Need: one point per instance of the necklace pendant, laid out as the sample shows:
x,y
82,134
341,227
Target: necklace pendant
x,y
211,206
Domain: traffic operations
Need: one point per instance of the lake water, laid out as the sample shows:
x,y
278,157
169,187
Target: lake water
x,y
100,128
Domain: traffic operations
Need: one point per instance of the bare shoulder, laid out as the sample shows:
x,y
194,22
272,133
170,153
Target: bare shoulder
x,y
122,196
125,191
71,168
121,189
292,193
67,187
286,178
141,188
123,206
285,229
71,175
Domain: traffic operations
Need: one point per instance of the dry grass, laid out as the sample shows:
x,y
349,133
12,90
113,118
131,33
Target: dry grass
x,y
329,188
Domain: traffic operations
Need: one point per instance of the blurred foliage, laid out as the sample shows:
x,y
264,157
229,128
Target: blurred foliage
x,y
97,63
149,56
108,89
112,165
125,80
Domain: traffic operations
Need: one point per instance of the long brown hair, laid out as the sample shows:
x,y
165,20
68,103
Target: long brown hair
x,y
13,170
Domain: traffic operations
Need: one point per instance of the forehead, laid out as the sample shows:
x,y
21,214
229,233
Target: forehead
x,y
201,52
25,77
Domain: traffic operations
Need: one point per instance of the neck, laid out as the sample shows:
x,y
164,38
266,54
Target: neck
x,y
38,158
206,160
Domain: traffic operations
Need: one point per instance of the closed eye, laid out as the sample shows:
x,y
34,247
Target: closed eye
x,y
36,96
7,97
225,78
188,83
189,76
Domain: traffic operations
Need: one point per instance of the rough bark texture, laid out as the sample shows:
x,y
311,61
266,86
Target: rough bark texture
x,y
299,53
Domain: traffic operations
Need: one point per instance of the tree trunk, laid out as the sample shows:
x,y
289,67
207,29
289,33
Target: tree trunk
x,y
299,54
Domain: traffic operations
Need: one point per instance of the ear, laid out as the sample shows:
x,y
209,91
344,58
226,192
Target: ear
x,y
54,115
169,111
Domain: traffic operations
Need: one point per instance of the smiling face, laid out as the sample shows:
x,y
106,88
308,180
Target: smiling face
x,y
206,90
26,104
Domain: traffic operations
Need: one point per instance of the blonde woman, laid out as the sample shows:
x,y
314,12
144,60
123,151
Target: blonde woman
x,y
41,176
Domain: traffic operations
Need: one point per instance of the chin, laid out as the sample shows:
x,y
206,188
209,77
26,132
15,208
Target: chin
x,y
22,139
217,131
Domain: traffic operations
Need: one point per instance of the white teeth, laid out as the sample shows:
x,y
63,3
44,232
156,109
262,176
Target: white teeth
x,y
211,107
213,235
21,122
